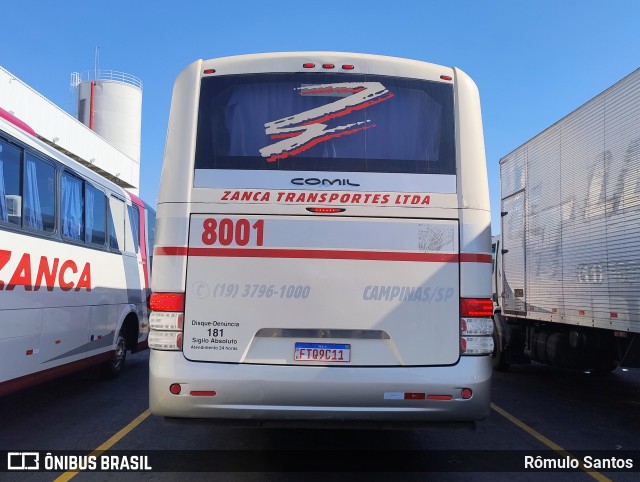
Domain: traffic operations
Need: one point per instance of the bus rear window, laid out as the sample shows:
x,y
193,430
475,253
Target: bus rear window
x,y
326,122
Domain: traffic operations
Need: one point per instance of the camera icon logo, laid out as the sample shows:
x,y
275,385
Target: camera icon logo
x,y
23,461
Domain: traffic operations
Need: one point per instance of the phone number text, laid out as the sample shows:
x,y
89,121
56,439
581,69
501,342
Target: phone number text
x,y
234,290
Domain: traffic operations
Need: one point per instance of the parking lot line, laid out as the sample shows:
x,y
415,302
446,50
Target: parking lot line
x,y
549,443
520,424
109,443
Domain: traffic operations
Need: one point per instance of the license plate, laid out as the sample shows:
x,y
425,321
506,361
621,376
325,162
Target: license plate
x,y
322,352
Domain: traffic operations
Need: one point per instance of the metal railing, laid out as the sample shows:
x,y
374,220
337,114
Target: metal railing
x,y
108,75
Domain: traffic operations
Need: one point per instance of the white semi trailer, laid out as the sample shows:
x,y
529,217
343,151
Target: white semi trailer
x,y
567,262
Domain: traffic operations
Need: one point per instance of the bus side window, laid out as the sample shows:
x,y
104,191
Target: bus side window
x,y
10,185
116,224
72,207
96,216
39,208
132,243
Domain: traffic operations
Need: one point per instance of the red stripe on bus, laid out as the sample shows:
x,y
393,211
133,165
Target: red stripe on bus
x,y
26,381
323,254
139,205
475,258
8,116
143,245
170,251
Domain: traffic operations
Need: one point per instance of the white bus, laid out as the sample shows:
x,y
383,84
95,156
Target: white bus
x,y
323,249
74,264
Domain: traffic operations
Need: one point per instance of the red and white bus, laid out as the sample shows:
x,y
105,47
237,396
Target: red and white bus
x,y
75,261
323,249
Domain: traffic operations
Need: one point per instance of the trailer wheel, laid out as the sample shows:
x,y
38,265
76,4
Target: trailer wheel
x,y
499,355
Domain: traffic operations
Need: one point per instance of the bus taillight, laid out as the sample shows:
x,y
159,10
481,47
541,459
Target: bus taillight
x,y
165,340
476,307
476,326
166,321
167,302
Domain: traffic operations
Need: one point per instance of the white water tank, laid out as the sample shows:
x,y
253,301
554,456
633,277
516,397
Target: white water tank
x,y
110,104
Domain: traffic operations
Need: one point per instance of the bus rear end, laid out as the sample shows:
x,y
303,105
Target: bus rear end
x,y
323,243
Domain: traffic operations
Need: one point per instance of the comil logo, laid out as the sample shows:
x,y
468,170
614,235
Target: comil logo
x,y
23,461
314,181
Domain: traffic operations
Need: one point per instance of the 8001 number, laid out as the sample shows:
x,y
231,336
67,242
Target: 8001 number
x,y
226,232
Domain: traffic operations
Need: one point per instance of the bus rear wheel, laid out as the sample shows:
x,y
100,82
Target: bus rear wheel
x,y
113,367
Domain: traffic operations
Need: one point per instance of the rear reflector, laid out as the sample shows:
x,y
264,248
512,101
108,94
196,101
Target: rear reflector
x,y
414,396
439,397
466,393
175,388
167,302
476,307
203,393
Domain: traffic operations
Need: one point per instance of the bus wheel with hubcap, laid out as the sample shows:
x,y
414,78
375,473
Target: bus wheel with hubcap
x,y
113,367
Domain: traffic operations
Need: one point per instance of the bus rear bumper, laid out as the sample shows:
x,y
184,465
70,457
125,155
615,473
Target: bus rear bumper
x,y
263,393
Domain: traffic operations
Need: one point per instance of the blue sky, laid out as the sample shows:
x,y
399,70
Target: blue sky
x,y
533,61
